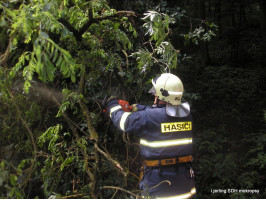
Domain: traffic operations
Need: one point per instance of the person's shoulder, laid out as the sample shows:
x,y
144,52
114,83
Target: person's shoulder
x,y
139,107
155,110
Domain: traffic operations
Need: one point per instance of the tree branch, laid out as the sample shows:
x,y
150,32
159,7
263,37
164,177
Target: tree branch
x,y
115,163
91,174
78,34
70,28
98,19
71,123
31,137
75,196
93,133
118,188
4,57
88,24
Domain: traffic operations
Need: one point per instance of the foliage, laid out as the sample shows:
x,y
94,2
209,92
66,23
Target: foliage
x,y
157,26
204,33
59,58
63,56
9,181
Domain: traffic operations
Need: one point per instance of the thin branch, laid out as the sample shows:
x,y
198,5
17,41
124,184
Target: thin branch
x,y
134,175
75,196
118,188
115,163
82,80
98,19
78,34
31,137
5,56
125,53
70,122
114,194
165,181
93,133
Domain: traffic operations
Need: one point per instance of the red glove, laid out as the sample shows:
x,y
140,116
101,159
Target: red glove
x,y
125,105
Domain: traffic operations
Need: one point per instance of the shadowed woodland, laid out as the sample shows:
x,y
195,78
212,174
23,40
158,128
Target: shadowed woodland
x,y
58,60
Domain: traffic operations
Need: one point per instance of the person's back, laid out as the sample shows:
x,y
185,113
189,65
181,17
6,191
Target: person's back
x,y
162,136
165,132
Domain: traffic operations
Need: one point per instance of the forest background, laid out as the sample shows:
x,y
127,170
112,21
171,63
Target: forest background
x,y
58,58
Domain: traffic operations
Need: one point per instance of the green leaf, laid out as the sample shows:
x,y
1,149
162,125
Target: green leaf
x,y
59,61
66,162
55,54
13,179
49,68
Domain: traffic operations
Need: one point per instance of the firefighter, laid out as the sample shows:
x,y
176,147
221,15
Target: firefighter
x,y
165,131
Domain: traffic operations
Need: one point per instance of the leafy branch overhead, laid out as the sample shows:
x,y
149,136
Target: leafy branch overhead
x,y
38,24
204,32
157,26
76,47
162,51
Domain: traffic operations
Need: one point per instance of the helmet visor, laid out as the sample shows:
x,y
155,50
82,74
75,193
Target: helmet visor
x,y
152,90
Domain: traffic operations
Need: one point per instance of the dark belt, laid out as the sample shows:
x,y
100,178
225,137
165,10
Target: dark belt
x,y
168,161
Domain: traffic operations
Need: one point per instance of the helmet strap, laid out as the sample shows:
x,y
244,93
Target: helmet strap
x,y
160,102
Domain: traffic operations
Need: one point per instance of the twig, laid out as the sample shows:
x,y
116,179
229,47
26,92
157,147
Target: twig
x,y
118,188
85,155
106,151
66,117
134,175
125,53
7,52
135,157
93,133
78,34
31,137
114,194
165,181
115,163
74,196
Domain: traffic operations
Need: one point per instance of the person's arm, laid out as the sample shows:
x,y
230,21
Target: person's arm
x,y
130,122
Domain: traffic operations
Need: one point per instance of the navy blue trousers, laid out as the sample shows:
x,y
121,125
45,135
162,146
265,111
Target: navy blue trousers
x,y
168,181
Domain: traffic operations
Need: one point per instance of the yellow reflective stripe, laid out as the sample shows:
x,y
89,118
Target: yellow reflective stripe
x,y
181,196
166,143
123,120
113,109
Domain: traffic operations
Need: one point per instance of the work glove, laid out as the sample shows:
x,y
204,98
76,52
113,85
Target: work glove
x,y
134,108
137,107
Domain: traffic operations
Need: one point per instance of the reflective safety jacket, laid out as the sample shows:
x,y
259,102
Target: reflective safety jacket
x,y
161,137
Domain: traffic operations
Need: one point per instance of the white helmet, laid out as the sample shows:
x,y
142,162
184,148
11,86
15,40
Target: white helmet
x,y
168,88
